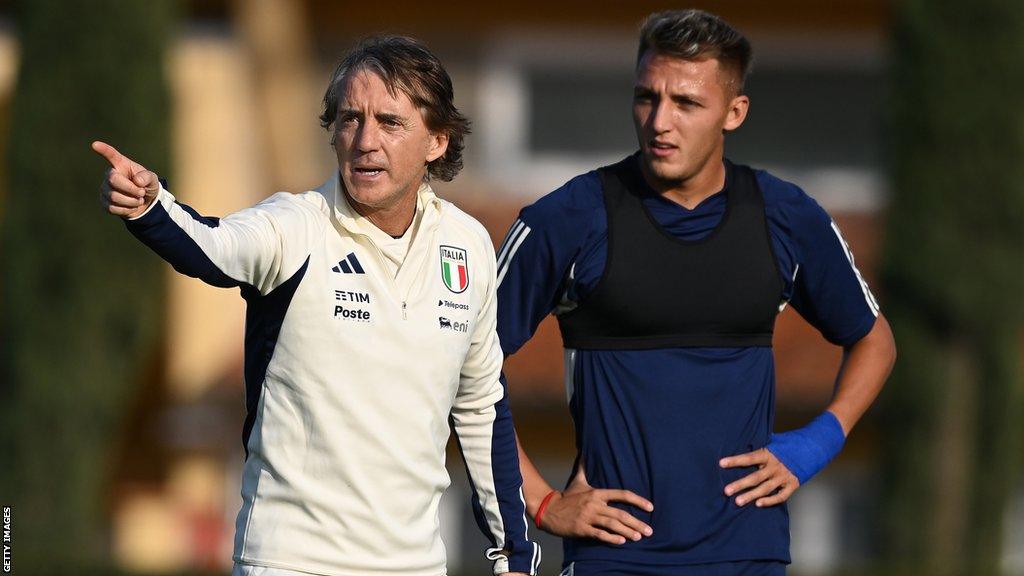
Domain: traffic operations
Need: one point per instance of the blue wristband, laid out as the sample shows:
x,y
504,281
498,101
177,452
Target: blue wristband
x,y
806,451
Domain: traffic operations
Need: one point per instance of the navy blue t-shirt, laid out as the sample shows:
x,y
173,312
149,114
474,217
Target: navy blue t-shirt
x,y
657,421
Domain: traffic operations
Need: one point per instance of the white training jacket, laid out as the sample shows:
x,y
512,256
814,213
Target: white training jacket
x,y
352,376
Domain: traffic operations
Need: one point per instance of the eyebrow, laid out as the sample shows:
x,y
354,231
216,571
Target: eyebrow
x,y
679,98
380,116
686,99
387,116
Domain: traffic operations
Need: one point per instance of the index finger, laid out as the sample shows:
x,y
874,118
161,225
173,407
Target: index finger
x,y
755,458
109,152
627,497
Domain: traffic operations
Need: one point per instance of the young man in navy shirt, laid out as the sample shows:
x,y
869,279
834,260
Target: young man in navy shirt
x,y
666,272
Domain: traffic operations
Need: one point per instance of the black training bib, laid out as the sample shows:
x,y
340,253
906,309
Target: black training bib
x,y
658,291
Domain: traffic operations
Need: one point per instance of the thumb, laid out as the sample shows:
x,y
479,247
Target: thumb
x,y
148,180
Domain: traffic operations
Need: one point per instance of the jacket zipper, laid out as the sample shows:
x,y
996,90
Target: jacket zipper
x,y
383,265
380,261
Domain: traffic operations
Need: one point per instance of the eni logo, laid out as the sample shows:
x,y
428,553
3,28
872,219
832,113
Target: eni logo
x,y
446,324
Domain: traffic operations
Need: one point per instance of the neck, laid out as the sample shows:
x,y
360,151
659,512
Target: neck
x,y
394,219
694,189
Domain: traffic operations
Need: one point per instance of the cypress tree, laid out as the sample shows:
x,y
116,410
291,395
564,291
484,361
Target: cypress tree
x,y
954,278
80,302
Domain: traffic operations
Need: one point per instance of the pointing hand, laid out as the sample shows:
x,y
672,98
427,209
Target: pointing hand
x,y
128,188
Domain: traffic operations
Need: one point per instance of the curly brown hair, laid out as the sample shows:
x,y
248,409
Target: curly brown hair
x,y
405,64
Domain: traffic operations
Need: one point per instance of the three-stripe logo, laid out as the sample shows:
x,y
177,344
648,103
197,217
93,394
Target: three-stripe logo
x,y
516,235
350,265
869,297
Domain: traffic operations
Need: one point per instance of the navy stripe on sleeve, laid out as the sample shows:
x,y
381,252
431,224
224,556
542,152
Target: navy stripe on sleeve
x,y
158,231
508,482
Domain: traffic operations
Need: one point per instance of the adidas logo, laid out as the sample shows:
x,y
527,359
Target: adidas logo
x,y
350,265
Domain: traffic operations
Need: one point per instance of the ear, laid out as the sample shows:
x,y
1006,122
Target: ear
x,y
737,112
437,146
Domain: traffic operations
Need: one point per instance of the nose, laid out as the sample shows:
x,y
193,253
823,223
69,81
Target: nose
x,y
660,116
368,137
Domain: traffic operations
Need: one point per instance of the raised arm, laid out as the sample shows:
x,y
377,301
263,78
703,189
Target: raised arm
x,y
247,248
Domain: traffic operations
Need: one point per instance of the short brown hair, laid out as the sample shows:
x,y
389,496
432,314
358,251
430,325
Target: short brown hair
x,y
405,64
693,34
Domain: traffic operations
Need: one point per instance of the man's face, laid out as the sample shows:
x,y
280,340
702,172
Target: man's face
x,y
681,109
382,142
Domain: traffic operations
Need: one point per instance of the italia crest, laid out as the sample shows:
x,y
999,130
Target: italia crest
x,y
454,269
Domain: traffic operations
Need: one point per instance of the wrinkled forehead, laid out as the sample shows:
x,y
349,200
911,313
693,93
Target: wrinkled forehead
x,y
367,83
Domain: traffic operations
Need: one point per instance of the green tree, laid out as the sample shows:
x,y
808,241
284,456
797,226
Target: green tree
x,y
80,303
954,280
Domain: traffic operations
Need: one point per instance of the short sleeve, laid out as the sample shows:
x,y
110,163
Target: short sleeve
x,y
828,290
537,254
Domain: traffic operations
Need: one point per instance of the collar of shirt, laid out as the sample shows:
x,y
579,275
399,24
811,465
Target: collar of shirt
x,y
428,208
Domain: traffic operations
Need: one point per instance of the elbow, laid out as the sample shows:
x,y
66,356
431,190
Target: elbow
x,y
885,343
877,347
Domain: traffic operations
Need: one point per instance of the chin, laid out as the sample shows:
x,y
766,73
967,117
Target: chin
x,y
367,196
664,169
379,200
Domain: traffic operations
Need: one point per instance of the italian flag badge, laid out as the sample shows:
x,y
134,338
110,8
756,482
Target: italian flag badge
x,y
454,271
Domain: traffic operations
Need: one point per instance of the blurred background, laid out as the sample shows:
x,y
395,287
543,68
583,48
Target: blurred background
x,y
121,399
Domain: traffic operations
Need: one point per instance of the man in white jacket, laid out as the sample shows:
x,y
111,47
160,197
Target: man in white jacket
x,y
370,327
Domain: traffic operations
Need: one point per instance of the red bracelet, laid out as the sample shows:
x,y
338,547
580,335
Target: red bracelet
x,y
543,506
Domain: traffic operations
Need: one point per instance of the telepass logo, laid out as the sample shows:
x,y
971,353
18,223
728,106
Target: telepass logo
x,y
454,271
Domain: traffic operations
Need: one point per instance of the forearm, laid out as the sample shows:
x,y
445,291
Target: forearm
x,y
168,230
535,488
865,367
244,248
487,441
